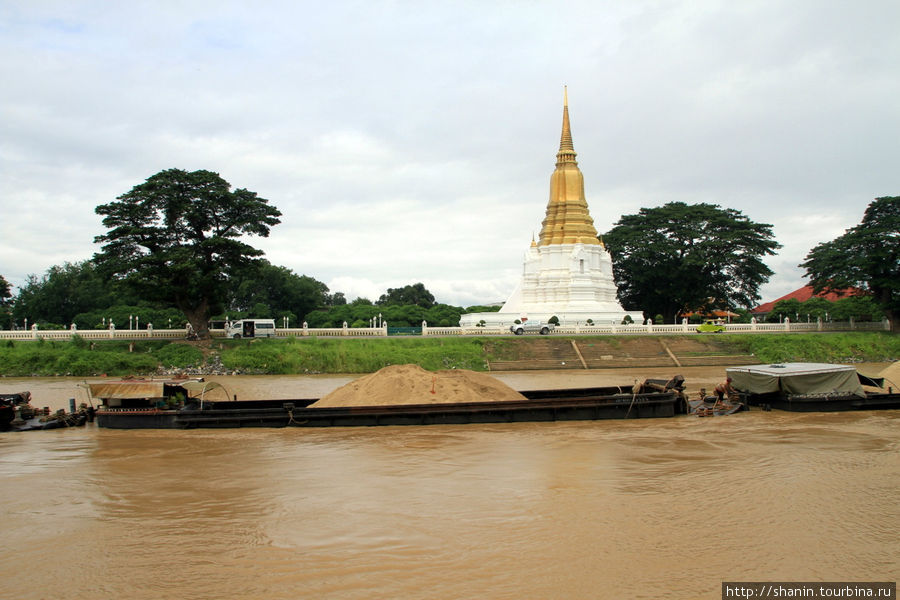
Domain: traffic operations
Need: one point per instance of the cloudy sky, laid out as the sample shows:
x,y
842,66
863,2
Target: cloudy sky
x,y
414,141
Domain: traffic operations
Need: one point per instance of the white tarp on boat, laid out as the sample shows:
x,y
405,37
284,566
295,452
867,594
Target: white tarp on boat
x,y
796,378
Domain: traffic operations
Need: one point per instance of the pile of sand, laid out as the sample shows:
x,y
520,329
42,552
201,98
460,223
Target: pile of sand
x,y
892,375
411,384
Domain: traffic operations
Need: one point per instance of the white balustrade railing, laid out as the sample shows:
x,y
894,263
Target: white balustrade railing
x,y
34,333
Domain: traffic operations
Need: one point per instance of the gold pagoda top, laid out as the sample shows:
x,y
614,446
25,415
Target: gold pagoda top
x,y
568,220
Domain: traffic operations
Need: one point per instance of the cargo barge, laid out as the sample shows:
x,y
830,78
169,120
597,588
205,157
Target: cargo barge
x,y
177,405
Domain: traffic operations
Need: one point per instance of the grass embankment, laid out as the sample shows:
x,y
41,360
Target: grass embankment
x,y
315,355
818,347
81,358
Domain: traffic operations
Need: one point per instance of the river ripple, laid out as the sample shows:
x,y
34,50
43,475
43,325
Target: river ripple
x,y
663,508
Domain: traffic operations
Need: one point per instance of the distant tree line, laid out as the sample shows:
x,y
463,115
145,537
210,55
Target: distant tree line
x,y
77,293
175,252
858,308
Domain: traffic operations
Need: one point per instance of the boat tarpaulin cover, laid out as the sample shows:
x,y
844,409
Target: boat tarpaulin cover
x,y
796,378
126,389
148,388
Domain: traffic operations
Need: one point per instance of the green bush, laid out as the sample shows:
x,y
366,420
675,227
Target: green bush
x,y
179,356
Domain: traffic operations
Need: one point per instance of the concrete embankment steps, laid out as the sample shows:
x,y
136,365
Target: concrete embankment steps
x,y
606,353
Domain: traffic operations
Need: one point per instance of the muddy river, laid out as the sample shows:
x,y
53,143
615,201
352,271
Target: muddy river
x,y
665,508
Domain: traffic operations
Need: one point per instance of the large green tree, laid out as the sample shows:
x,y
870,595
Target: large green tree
x,y
689,257
865,257
177,236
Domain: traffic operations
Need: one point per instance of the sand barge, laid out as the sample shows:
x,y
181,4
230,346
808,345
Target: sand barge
x,y
410,395
411,384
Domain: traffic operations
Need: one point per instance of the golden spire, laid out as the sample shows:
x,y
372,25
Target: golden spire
x,y
568,220
566,148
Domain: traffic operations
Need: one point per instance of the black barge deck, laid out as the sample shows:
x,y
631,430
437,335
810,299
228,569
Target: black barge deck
x,y
578,404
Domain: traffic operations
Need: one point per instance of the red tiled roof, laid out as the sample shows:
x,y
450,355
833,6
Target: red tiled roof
x,y
721,314
804,294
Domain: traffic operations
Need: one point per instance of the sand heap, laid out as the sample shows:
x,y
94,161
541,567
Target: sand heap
x,y
411,384
892,375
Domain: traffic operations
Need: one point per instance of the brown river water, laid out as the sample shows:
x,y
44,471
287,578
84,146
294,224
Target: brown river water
x,y
656,508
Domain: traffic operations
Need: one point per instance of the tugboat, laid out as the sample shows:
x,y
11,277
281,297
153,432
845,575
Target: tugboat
x,y
148,403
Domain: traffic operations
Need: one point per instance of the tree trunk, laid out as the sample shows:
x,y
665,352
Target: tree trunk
x,y
885,298
198,317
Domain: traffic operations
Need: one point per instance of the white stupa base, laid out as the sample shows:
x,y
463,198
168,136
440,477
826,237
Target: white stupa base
x,y
572,282
566,317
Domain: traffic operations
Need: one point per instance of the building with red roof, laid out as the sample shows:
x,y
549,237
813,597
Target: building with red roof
x,y
802,295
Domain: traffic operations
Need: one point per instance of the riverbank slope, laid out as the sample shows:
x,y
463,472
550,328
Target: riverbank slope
x,y
298,356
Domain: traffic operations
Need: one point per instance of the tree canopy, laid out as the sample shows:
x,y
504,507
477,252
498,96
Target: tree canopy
x,y
866,257
408,294
680,257
263,290
361,312
177,236
5,303
61,293
858,308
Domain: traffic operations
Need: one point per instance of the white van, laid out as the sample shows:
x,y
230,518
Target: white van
x,y
250,328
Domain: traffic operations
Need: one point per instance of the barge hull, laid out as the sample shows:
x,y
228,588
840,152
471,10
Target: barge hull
x,y
585,404
825,403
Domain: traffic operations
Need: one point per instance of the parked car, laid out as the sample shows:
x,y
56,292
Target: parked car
x,y
531,327
711,326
